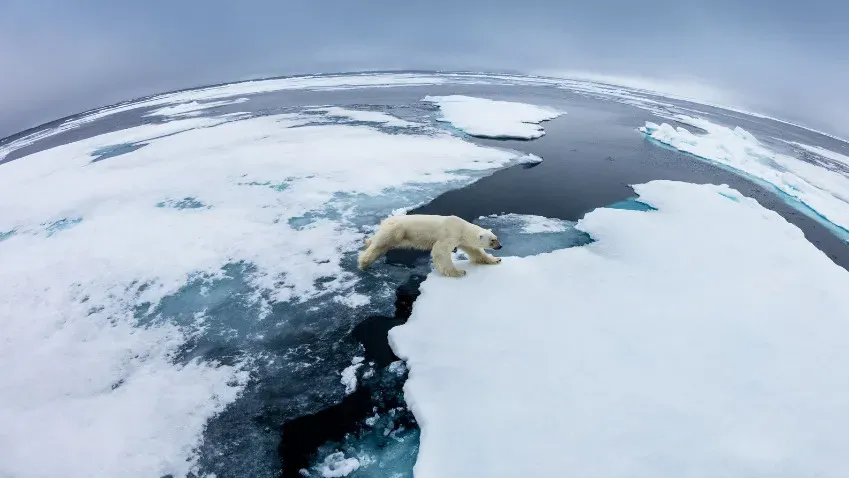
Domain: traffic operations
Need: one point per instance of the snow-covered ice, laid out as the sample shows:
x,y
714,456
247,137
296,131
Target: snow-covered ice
x,y
703,338
90,248
364,116
493,119
824,191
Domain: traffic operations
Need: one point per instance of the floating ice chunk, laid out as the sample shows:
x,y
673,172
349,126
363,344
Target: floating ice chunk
x,y
493,119
825,153
807,186
708,332
349,375
337,466
370,421
193,107
364,116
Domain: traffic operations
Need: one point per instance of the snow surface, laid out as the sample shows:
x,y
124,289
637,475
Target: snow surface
x,y
365,116
705,338
91,248
493,119
824,191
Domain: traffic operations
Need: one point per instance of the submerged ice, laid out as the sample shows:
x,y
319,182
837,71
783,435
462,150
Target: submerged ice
x,y
701,337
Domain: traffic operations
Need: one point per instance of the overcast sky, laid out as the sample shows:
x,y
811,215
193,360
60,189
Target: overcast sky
x,y
788,59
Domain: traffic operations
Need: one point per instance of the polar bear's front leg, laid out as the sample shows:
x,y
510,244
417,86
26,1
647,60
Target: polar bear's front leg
x,y
372,253
441,255
479,256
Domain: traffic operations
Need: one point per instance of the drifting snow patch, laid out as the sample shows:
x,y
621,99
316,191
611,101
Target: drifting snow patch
x,y
493,119
823,191
707,332
364,116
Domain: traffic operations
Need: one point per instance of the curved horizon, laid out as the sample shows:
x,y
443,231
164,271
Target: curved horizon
x,y
637,85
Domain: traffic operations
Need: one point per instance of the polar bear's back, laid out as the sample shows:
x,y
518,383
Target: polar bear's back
x,y
424,230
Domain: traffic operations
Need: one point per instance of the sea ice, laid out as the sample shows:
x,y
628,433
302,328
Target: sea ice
x,y
705,337
825,153
824,191
117,394
493,119
193,107
365,116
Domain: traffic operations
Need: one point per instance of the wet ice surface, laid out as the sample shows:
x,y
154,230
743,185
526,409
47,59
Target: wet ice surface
x,y
196,335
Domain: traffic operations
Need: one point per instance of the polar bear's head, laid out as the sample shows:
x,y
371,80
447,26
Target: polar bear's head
x,y
488,240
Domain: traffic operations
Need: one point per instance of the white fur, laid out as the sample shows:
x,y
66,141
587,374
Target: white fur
x,y
438,234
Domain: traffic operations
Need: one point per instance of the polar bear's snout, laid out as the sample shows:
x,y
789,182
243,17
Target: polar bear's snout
x,y
488,240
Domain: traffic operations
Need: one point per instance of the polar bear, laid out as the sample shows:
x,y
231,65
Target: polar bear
x,y
439,234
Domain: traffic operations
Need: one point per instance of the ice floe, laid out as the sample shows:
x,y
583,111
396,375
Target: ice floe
x,y
90,248
706,336
493,119
823,191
